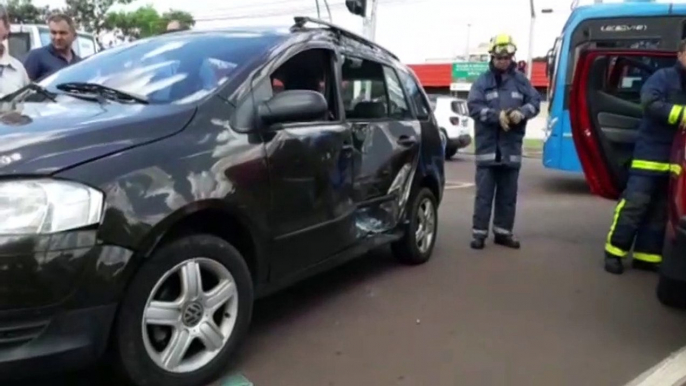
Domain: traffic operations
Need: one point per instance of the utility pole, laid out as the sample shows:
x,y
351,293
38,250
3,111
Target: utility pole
x,y
370,22
466,48
530,54
370,34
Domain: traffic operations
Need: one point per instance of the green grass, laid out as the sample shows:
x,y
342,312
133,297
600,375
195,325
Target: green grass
x,y
530,147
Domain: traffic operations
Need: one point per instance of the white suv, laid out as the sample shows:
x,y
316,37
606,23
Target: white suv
x,y
454,122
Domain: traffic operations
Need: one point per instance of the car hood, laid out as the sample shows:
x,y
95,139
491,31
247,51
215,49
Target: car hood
x,y
44,138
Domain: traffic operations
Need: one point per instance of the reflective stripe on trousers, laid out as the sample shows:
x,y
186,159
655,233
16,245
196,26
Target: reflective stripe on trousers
x,y
656,166
515,159
640,219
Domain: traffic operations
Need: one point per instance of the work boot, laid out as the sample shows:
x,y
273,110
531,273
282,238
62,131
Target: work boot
x,y
614,265
644,265
478,243
509,241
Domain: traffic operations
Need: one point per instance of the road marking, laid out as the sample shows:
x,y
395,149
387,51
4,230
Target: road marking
x,y
236,380
669,372
457,185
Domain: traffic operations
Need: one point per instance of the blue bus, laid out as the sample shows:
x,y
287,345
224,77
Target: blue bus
x,y
632,28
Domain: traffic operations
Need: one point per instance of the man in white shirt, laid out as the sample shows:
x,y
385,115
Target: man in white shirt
x,y
13,75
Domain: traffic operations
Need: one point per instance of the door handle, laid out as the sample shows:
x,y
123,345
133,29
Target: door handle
x,y
406,141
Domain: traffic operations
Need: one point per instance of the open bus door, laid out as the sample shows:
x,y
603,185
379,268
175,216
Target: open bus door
x,y
605,111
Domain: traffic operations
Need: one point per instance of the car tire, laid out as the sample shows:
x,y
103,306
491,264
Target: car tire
x,y
444,139
411,250
138,344
671,293
450,152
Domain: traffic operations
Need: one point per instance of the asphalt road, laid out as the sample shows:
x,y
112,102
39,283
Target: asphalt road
x,y
544,315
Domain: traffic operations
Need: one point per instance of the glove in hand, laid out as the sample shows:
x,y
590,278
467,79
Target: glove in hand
x,y
504,120
516,116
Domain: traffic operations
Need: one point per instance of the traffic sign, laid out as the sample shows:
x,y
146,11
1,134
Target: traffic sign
x,y
468,71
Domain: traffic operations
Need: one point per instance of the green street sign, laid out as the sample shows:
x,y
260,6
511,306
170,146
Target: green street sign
x,y
468,71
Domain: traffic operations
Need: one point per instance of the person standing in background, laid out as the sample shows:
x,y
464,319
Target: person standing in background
x,y
501,101
59,54
12,73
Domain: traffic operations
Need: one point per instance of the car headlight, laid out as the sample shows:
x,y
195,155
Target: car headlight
x,y
47,206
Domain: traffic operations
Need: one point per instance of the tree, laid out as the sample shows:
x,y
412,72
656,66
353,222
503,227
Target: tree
x,y
91,15
23,11
145,21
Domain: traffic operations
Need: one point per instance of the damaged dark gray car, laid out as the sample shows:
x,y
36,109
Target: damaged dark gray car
x,y
152,192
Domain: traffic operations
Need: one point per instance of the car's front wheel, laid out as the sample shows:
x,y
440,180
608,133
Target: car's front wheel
x,y
421,230
184,314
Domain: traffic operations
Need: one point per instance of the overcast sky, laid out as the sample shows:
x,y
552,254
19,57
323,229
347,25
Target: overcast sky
x,y
416,30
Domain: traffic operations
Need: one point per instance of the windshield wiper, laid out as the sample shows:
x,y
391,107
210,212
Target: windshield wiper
x,y
33,87
104,91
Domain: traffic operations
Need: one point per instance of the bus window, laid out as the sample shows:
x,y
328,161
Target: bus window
x,y
553,61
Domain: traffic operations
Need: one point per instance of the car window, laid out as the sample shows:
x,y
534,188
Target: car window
x,y
307,70
416,95
625,75
174,68
398,108
363,89
19,44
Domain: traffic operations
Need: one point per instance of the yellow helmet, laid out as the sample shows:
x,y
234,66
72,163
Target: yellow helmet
x,y
502,44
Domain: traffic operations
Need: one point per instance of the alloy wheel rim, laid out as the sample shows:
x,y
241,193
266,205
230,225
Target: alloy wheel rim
x,y
190,315
426,225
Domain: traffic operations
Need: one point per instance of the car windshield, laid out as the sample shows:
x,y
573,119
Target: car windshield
x,y
174,68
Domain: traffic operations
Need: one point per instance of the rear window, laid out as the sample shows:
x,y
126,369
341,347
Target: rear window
x,y
458,107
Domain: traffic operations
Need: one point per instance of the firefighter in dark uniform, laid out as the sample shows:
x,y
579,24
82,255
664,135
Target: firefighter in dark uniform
x,y
501,101
640,217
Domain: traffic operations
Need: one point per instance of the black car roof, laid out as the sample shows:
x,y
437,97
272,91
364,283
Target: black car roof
x,y
321,31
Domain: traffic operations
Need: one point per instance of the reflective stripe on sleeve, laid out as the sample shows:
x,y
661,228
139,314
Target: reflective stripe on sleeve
x,y
675,113
651,165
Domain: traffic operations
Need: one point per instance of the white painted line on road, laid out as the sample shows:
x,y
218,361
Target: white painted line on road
x,y
458,185
669,372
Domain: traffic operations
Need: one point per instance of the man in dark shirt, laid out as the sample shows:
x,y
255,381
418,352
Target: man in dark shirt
x,y
44,61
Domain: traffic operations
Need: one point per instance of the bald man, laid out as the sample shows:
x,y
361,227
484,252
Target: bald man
x,y
175,25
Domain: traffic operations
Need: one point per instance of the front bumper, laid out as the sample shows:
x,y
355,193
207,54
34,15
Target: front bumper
x,y
58,296
672,284
460,142
39,342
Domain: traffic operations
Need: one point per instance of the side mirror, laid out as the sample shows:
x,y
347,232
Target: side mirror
x,y
293,106
357,7
549,65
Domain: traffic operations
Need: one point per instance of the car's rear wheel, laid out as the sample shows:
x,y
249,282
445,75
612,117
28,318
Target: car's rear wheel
x,y
419,239
444,140
450,152
184,314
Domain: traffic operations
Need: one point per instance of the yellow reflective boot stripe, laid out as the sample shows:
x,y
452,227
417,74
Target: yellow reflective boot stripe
x,y
609,248
648,257
650,165
674,114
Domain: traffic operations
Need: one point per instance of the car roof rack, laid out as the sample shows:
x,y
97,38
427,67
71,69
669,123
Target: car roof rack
x,y
300,22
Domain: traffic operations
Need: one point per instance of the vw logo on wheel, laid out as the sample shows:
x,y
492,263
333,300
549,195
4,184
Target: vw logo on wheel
x,y
192,315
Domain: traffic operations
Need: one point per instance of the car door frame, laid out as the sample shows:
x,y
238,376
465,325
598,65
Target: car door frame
x,y
397,180
593,161
296,250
